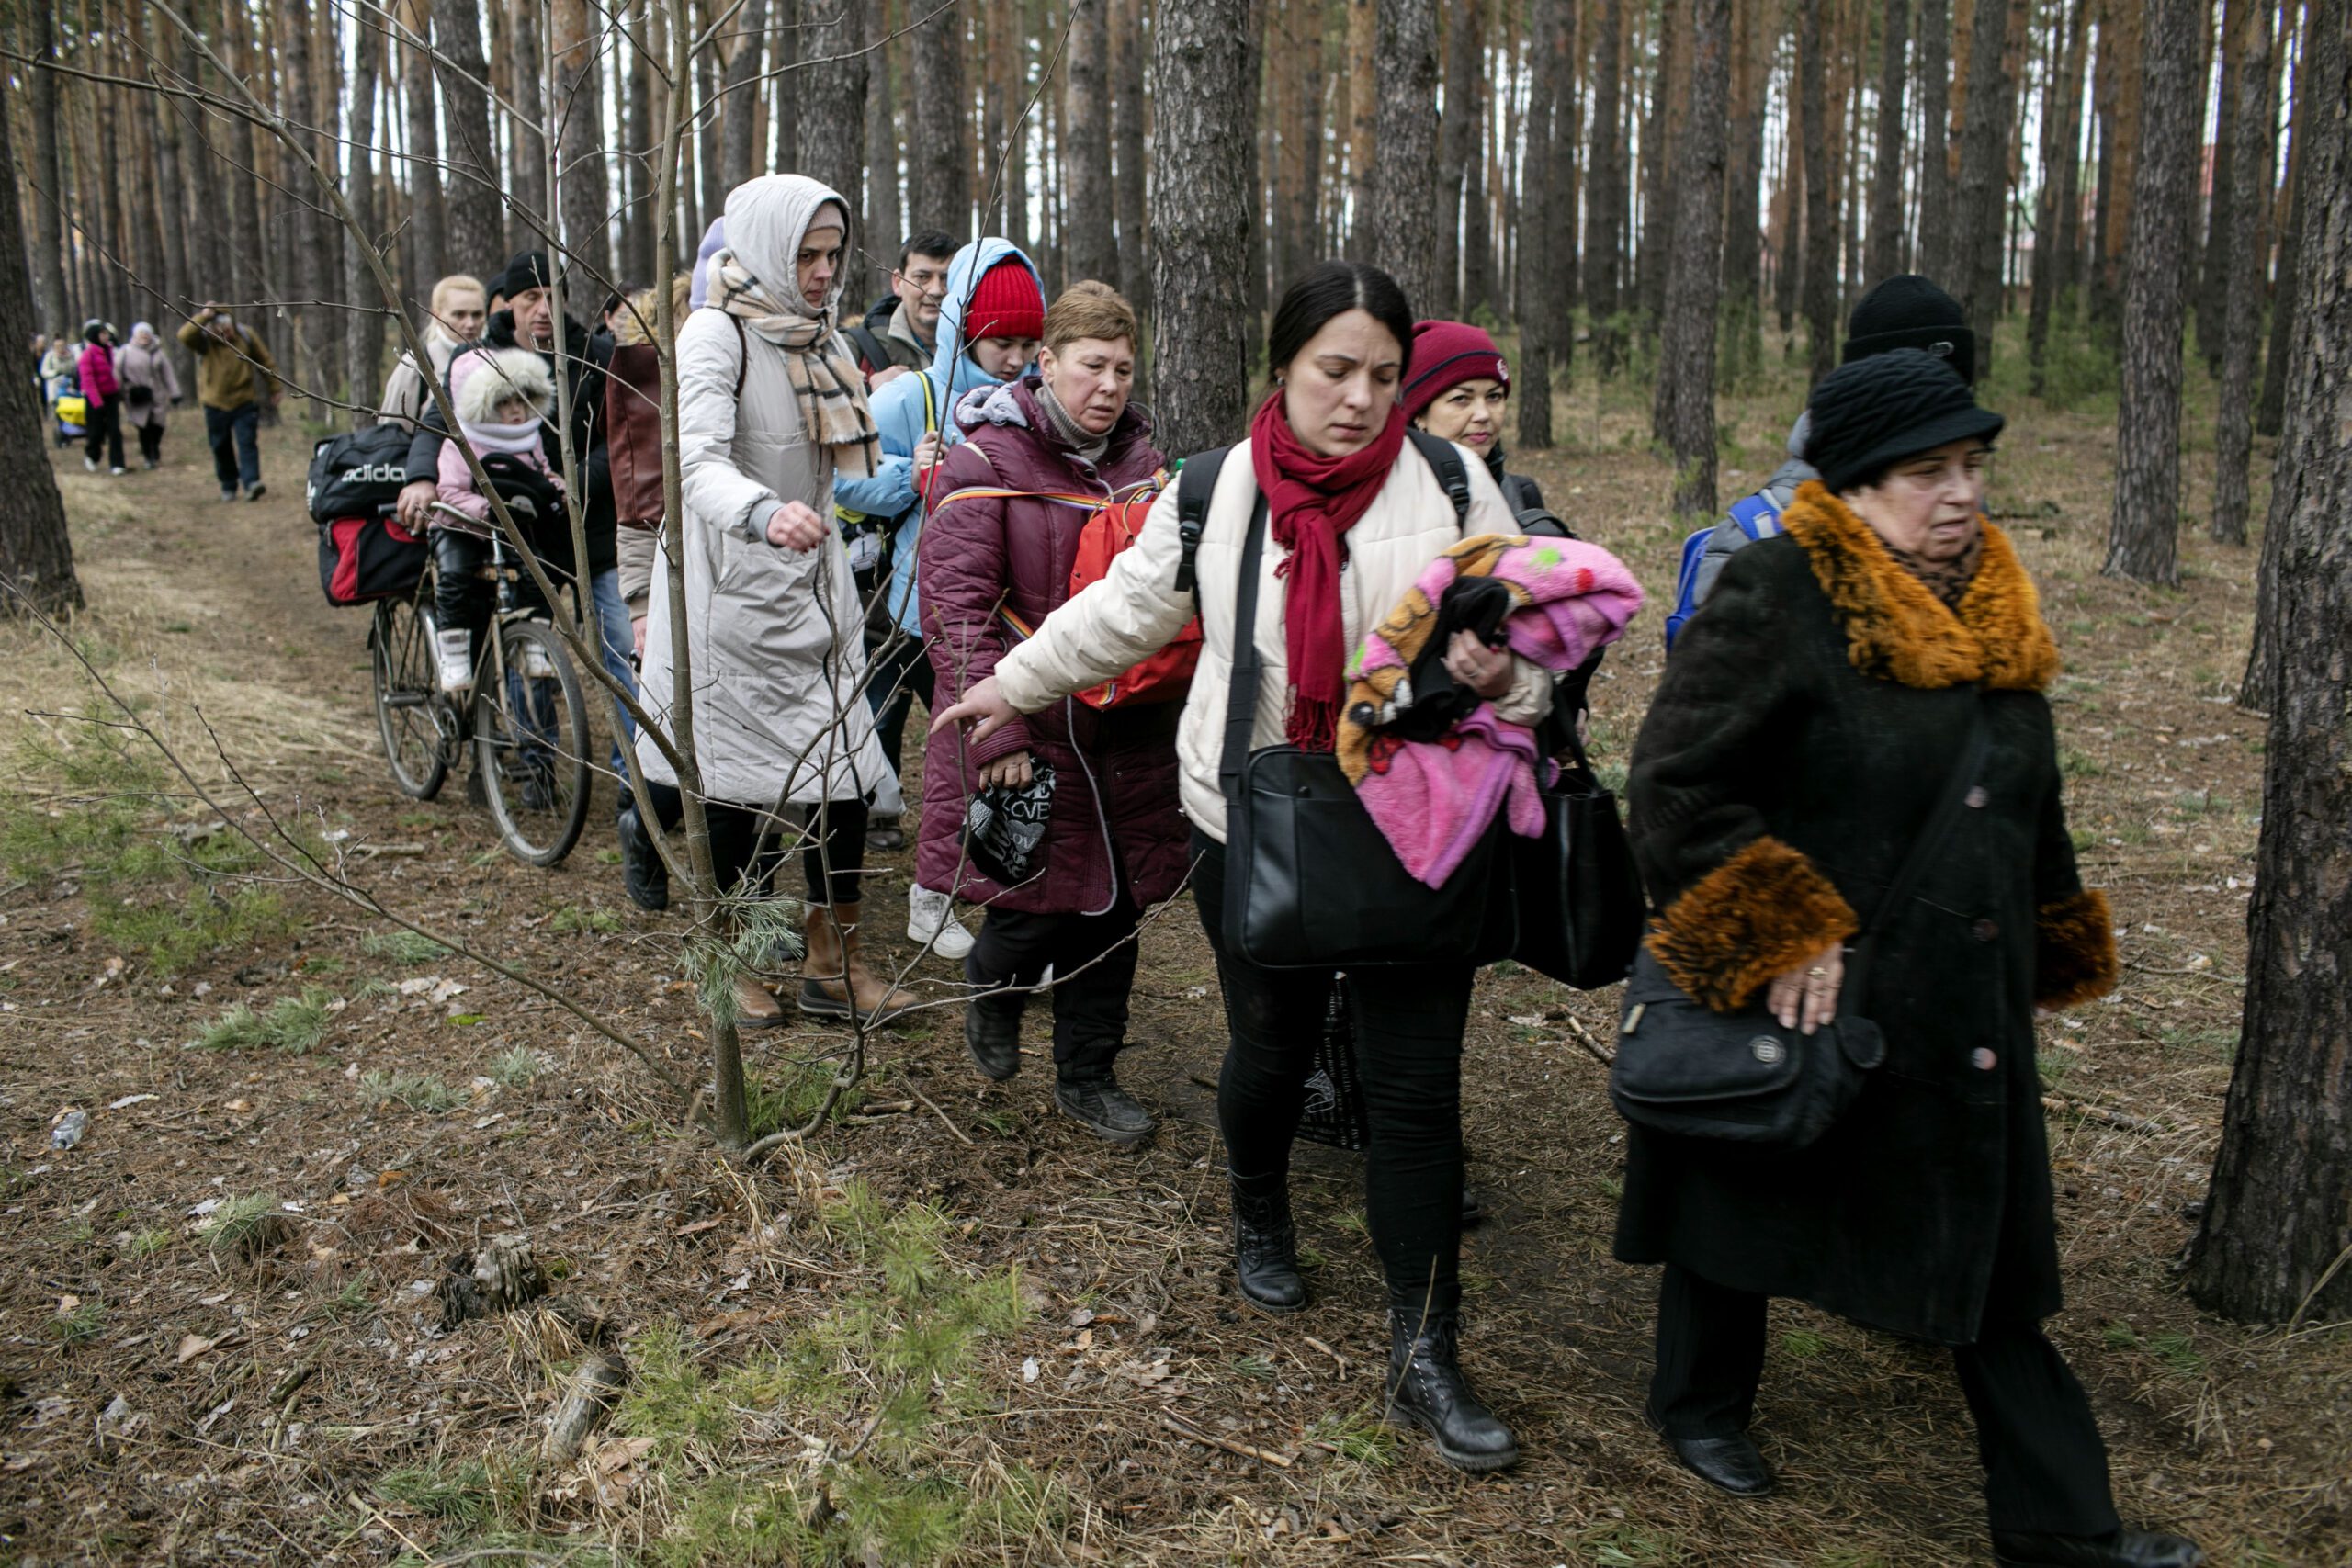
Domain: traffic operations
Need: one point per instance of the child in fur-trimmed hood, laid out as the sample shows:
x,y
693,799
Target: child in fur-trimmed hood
x,y
502,398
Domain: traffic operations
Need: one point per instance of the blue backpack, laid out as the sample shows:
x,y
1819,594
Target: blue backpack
x,y
1758,518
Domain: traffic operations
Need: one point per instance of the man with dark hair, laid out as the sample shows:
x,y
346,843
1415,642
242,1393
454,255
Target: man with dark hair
x,y
899,332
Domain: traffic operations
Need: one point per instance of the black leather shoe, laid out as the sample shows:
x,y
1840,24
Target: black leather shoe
x,y
884,836
1426,1388
2124,1549
1472,1210
1107,1111
642,873
1265,1243
1729,1464
992,1036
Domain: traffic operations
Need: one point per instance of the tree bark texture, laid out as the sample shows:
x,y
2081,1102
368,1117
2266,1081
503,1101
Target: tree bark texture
x,y
1934,257
585,200
2061,125
518,70
786,84
1457,146
1531,288
2272,1243
2320,16
2214,256
1130,48
885,215
49,184
1885,254
738,106
1979,204
1820,193
830,82
475,239
1605,206
2241,281
1363,111
2142,541
1200,223
1657,165
36,554
940,150
428,209
1405,243
1092,249
1687,339
363,341
1752,39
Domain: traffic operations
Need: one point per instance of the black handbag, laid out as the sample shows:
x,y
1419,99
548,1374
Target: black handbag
x,y
1577,894
1004,826
1310,881
1742,1078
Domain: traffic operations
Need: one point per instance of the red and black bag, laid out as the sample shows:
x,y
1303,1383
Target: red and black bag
x,y
362,560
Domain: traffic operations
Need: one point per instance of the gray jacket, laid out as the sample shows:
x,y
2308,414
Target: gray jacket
x,y
1729,538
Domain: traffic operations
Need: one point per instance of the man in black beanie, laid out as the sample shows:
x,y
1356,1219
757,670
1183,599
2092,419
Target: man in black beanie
x,y
1905,311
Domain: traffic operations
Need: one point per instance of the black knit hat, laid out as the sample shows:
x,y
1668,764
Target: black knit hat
x,y
1908,311
529,269
1870,414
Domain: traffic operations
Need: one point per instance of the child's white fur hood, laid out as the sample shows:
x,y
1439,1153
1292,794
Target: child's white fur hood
x,y
481,380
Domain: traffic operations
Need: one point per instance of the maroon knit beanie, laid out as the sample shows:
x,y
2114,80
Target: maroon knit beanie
x,y
1005,303
1445,355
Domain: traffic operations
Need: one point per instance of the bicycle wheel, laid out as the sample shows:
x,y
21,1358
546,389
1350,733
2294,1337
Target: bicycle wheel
x,y
531,744
399,648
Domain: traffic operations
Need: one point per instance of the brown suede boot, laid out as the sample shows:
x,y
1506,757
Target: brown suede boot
x,y
833,975
754,1007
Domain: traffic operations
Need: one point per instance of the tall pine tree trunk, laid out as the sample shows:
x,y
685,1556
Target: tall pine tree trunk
x,y
1404,231
475,234
1885,255
1093,250
1130,48
831,85
886,216
1979,209
1687,340
2214,271
1820,194
36,553
1363,111
363,341
1605,221
2141,536
739,112
1532,288
2242,280
2052,241
2318,17
1934,258
1457,137
1743,280
49,190
520,57
940,124
428,208
2273,1242
1200,221
1657,165
586,195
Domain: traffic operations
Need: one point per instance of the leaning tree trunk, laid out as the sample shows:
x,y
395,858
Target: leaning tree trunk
x,y
1687,339
1885,254
1537,269
472,158
2242,282
1404,233
1820,199
831,83
2277,1231
1092,251
2142,535
1934,258
36,556
1200,223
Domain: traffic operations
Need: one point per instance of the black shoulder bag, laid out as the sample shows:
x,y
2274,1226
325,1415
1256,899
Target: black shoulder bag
x,y
1310,881
1579,897
1742,1078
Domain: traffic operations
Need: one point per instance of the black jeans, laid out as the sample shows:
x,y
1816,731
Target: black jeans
x,y
1408,1024
744,851
150,440
104,430
236,449
2045,1466
1094,960
897,672
462,597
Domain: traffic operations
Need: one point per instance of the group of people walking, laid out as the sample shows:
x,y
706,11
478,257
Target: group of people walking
x,y
892,503
109,384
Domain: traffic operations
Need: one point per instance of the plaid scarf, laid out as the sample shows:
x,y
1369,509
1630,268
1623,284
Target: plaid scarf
x,y
824,377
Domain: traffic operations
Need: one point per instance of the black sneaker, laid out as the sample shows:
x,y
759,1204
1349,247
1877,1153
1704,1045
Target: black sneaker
x,y
992,1035
643,870
1107,1111
256,493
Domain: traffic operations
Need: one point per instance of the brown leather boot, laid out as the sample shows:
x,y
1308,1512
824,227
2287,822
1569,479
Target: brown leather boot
x,y
833,975
754,1007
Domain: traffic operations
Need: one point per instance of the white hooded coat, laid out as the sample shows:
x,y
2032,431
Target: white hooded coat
x,y
778,663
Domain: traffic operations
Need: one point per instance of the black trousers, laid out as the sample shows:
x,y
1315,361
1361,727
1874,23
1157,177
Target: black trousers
x,y
464,598
150,440
1408,1022
746,852
1094,960
2045,1466
897,674
104,430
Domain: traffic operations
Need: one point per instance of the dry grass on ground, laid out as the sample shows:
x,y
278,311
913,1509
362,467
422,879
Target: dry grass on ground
x,y
1008,1343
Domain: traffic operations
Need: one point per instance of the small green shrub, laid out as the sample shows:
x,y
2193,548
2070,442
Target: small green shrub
x,y
573,921
516,1067
401,947
245,1228
418,1091
293,1025
84,1322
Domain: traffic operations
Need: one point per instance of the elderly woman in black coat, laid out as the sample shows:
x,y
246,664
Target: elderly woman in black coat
x,y
1809,719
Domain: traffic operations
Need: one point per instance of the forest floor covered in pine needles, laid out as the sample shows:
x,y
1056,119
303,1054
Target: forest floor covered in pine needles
x,y
954,1328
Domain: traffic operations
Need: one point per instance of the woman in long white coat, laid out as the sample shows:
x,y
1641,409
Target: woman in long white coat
x,y
770,408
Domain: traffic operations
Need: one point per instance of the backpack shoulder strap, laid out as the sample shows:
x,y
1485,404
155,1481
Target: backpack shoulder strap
x,y
1757,516
743,353
869,347
1444,459
930,405
1195,484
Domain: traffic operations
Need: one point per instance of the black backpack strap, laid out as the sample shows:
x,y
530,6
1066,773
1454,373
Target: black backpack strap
x,y
742,354
1195,484
870,351
1444,459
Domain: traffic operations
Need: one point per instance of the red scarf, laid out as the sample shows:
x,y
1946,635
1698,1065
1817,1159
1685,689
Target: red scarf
x,y
1311,501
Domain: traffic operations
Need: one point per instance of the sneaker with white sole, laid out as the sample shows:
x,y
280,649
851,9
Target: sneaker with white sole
x,y
536,665
456,651
89,465
931,922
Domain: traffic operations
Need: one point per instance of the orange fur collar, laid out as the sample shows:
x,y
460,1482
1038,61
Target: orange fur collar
x,y
1896,630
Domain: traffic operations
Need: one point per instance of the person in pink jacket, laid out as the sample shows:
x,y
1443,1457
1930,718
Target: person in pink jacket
x,y
501,397
104,394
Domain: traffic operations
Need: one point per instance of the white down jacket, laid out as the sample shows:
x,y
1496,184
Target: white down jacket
x,y
1135,610
778,660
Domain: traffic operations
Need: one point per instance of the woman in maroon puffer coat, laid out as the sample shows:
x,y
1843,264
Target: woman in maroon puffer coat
x,y
1114,840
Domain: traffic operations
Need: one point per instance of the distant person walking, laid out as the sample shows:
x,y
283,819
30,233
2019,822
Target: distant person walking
x,y
235,376
150,386
103,394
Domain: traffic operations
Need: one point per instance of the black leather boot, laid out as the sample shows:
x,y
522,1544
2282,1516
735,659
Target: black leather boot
x,y
1265,1243
1426,1388
993,1024
2124,1549
643,872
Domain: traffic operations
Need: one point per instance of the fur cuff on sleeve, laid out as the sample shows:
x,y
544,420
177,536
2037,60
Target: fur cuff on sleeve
x,y
1755,916
2073,951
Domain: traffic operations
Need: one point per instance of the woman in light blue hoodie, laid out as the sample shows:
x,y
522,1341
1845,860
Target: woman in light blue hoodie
x,y
988,327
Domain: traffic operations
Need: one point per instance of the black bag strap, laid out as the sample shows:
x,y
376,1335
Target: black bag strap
x,y
742,354
1195,484
1242,693
869,347
1444,459
1940,824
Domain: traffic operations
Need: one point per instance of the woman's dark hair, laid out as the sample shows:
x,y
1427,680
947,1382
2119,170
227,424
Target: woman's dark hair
x,y
1334,288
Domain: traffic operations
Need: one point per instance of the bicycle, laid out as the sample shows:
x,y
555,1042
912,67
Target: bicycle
x,y
525,719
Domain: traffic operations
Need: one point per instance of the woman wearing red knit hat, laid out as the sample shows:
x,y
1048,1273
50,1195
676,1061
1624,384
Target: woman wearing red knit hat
x,y
1460,386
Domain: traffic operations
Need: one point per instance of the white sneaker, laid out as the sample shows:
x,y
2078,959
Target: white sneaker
x,y
931,920
455,648
90,465
118,471
536,665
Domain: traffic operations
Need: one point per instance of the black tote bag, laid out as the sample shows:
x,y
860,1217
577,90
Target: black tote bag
x,y
1578,896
